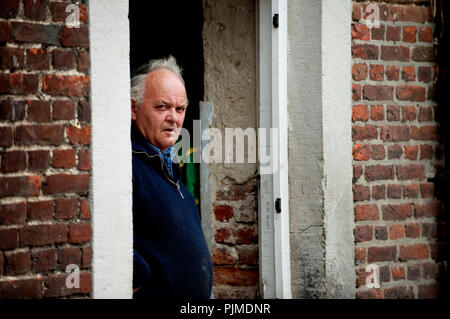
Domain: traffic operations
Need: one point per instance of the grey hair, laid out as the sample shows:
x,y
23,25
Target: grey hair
x,y
138,81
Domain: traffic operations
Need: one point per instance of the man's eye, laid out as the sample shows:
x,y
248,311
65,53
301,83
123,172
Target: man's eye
x,y
160,106
180,109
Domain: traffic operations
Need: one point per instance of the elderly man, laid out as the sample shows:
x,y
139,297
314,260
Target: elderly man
x,y
171,258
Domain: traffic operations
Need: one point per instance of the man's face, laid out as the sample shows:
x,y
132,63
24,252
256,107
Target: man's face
x,y
160,116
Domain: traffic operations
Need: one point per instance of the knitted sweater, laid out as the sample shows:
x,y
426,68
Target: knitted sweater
x,y
171,258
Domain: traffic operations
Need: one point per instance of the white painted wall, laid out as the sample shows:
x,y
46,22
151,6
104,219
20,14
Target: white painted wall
x,y
111,187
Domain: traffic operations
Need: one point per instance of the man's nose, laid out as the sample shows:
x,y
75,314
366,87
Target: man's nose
x,y
172,115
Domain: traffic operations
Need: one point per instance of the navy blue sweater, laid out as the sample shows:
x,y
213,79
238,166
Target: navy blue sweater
x,y
171,258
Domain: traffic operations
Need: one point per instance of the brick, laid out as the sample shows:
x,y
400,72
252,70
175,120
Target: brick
x,y
411,191
409,34
223,212
380,232
79,135
22,288
35,9
408,113
35,33
368,132
408,13
39,111
424,133
5,31
398,293
75,37
84,209
67,85
235,276
429,271
83,61
360,113
56,285
411,152
9,9
21,185
411,171
66,208
86,258
67,256
395,53
18,83
398,273
377,152
381,254
356,12
223,255
59,14
17,263
84,160
391,133
369,294
38,160
11,110
8,238
413,252
236,192
365,51
248,254
410,93
424,74
378,92
11,58
360,255
41,210
425,114
426,34
393,33
84,111
357,172
392,72
431,95
64,110
359,71
66,183
378,192
377,112
429,291
361,193
378,33
395,151
361,276
393,113
432,209
63,158
384,11
223,235
363,233
396,231
42,235
356,92
429,230
39,135
361,152
80,232
44,260
427,190
376,72
13,213
360,32
413,272
245,235
63,59
13,161
38,59
394,191
409,73
379,172
396,212
424,54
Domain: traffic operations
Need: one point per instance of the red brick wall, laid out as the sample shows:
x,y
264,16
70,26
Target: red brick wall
x,y
45,153
396,153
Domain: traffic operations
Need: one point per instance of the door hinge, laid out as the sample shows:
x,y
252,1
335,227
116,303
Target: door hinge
x,y
275,20
278,205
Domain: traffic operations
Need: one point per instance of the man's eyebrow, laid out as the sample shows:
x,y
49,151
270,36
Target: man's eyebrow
x,y
164,102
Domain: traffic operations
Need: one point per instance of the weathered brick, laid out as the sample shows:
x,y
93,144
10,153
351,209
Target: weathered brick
x,y
365,51
63,158
86,258
408,113
411,151
245,235
223,255
40,210
9,8
413,272
425,34
67,85
35,33
395,151
5,31
376,72
223,235
361,193
363,233
236,192
38,111
409,34
379,172
361,152
425,114
424,54
356,12
378,92
432,209
66,208
84,160
393,33
83,61
44,260
369,294
18,83
411,171
409,73
8,238
411,191
429,230
424,133
35,9
39,135
398,293
392,72
17,263
22,288
59,14
377,113
395,53
75,37
66,183
38,59
380,232
375,254
359,71
410,93
429,291
356,92
38,160
409,13
21,185
41,235
378,192
79,232
13,161
396,231
378,33
427,190
398,273
413,252
360,113
429,271
248,254
11,110
11,58
56,285
79,135
223,212
368,132
84,209
360,255
67,256
63,59
424,74
84,111
235,276
360,32
396,212
357,172
13,213
390,133
64,110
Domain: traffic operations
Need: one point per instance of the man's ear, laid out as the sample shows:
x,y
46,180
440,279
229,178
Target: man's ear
x,y
133,110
